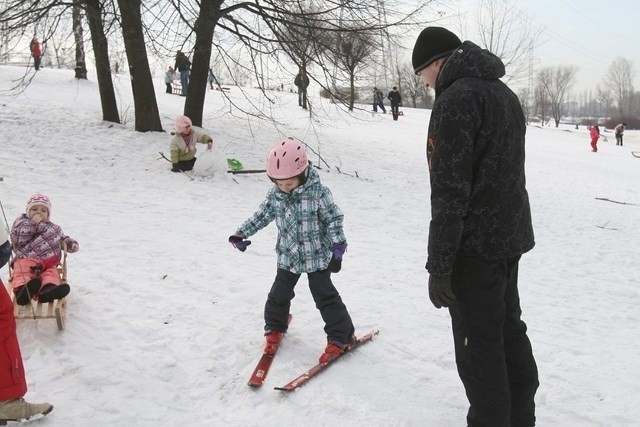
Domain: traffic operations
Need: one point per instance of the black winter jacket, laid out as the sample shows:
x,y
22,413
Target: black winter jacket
x,y
476,150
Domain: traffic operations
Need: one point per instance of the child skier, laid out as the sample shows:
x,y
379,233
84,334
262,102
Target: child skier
x,y
38,245
310,240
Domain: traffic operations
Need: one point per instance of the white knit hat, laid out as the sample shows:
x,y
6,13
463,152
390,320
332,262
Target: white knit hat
x,y
39,199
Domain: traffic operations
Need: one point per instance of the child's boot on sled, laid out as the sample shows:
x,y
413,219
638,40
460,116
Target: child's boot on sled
x,y
25,292
52,292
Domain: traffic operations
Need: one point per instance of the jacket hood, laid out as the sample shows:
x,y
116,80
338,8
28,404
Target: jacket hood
x,y
469,60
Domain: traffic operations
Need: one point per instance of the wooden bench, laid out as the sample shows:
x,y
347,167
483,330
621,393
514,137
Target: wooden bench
x,y
55,309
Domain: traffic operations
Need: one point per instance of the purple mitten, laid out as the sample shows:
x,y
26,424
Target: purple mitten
x,y
338,250
239,243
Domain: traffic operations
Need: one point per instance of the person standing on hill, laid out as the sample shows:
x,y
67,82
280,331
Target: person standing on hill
x,y
619,132
183,65
169,75
302,83
480,224
395,99
36,52
594,133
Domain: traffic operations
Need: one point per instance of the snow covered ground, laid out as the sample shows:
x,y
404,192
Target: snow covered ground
x,y
164,321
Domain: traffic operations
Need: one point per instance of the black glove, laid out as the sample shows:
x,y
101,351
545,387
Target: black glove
x,y
239,243
175,168
440,292
337,252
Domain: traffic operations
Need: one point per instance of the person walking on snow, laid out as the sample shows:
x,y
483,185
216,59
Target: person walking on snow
x,y
395,99
38,245
310,240
594,133
378,100
480,224
13,384
619,132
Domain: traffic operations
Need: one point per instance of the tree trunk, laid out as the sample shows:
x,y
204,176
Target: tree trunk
x,y
81,64
101,53
144,96
205,25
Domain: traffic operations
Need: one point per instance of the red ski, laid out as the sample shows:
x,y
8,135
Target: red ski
x,y
262,368
304,378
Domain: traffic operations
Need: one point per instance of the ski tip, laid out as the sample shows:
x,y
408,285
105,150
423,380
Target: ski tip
x,y
282,389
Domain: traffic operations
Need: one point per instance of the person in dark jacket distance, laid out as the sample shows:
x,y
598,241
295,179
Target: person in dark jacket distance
x,y
395,100
480,224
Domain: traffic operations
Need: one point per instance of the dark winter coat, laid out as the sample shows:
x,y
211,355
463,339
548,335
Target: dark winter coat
x,y
394,97
476,151
182,62
301,81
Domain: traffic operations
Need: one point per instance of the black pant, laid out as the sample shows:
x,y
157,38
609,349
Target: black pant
x,y
302,98
169,88
619,139
395,110
337,322
493,353
186,165
36,62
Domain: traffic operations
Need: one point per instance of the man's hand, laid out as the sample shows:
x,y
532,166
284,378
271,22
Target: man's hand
x,y
440,292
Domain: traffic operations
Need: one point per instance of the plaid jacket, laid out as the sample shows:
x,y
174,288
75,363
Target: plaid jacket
x,y
309,223
37,240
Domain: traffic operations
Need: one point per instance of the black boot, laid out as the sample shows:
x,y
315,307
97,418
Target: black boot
x,y
26,292
52,292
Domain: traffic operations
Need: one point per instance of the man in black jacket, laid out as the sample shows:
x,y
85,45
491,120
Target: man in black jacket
x,y
480,224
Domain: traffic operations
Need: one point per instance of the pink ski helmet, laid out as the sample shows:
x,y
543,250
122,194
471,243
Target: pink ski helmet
x,y
287,159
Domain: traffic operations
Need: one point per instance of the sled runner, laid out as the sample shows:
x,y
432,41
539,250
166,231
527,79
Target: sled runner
x,y
635,153
55,309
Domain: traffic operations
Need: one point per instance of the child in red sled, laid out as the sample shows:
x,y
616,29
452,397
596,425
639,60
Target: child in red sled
x,y
310,240
38,245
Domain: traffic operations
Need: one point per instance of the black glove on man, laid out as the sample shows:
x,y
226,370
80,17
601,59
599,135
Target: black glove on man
x,y
440,292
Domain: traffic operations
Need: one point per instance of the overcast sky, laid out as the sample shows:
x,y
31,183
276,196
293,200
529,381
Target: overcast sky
x,y
586,33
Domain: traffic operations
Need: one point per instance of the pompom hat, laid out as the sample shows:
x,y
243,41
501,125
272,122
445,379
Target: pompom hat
x,y
433,43
38,199
182,123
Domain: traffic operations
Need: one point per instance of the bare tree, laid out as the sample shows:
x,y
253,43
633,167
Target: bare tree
x,y
78,32
555,82
94,10
352,50
508,33
620,79
144,97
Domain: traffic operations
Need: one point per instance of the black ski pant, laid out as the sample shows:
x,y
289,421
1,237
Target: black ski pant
x,y
337,322
618,139
395,110
493,353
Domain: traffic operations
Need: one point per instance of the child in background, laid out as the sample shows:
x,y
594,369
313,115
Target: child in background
x,y
310,240
183,144
38,245
594,132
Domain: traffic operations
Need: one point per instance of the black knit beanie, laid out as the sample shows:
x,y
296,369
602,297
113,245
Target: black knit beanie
x,y
433,43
